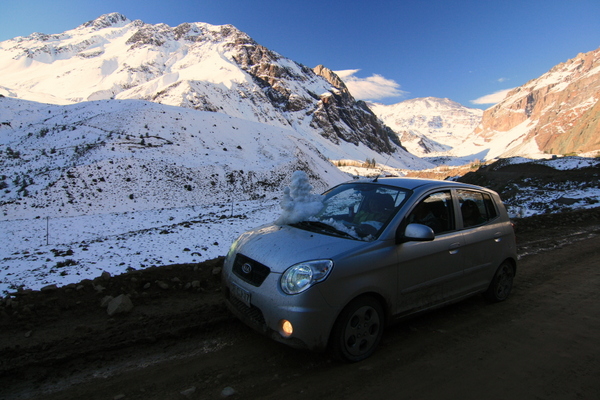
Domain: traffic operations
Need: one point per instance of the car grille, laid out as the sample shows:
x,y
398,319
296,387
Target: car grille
x,y
249,270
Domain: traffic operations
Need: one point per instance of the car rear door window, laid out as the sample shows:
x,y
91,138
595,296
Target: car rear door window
x,y
476,208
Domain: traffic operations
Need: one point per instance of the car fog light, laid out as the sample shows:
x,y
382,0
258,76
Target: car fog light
x,y
285,327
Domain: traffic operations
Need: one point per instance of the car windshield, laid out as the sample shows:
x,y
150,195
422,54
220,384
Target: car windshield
x,y
356,210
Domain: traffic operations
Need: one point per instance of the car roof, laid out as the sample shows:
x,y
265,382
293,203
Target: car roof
x,y
417,183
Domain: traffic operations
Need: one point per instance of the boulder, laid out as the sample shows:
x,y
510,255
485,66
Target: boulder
x,y
120,304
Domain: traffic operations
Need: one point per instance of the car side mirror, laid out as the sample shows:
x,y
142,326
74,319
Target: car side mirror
x,y
415,233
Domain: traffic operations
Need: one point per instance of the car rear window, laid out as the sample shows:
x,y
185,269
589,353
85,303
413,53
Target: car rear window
x,y
476,208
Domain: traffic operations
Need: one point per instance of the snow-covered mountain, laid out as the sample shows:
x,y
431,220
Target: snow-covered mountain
x,y
124,155
557,113
429,127
119,115
197,66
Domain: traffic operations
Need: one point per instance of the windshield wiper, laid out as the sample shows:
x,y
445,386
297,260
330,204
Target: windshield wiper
x,y
321,226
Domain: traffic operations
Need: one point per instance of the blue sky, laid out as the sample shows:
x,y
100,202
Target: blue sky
x,y
391,50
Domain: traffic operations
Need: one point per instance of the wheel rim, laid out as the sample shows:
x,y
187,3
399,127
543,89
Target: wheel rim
x,y
505,278
362,331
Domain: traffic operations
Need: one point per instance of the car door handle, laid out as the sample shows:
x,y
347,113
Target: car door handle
x,y
498,237
454,247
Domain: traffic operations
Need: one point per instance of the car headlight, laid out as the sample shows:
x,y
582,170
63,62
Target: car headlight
x,y
300,277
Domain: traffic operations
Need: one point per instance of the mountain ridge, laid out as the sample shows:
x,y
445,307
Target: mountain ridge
x,y
194,65
219,69
429,127
138,116
556,113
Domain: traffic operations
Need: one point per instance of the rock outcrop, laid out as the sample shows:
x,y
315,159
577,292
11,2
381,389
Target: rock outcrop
x,y
558,111
340,116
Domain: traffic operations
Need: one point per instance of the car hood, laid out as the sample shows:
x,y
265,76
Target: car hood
x,y
281,246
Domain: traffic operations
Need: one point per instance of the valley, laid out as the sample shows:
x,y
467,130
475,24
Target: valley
x,y
127,176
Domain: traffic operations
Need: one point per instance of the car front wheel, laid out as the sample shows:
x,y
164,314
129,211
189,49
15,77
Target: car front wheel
x,y
357,331
501,284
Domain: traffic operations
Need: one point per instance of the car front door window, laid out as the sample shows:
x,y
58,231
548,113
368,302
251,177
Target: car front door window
x,y
435,211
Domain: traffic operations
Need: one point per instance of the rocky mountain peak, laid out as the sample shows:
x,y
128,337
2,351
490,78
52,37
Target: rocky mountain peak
x,y
107,20
429,126
557,112
330,76
358,122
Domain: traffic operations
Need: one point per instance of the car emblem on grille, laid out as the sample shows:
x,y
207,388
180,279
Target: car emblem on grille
x,y
246,268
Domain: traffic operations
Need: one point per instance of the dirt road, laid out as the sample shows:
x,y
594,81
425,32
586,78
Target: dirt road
x,y
542,343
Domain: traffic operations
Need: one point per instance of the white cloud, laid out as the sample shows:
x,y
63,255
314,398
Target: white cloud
x,y
493,98
375,87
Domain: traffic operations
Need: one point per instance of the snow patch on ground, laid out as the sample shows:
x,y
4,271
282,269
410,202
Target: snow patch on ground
x,y
39,252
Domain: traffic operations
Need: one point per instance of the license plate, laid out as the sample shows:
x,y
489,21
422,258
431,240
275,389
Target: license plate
x,y
241,294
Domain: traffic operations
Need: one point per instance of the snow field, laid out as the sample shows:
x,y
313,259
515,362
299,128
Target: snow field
x,y
38,252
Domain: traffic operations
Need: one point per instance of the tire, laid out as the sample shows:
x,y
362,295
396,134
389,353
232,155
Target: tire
x,y
358,330
502,283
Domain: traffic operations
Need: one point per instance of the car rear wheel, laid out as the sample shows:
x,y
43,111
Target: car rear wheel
x,y
501,284
357,331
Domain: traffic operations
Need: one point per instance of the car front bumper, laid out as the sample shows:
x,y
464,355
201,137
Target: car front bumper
x,y
264,308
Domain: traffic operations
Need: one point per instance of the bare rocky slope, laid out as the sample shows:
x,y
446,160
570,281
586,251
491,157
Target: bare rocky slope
x,y
520,183
559,111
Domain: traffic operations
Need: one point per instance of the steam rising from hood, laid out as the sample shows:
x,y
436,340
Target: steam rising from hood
x,y
298,203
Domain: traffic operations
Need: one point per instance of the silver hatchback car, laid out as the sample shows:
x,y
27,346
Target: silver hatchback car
x,y
376,250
